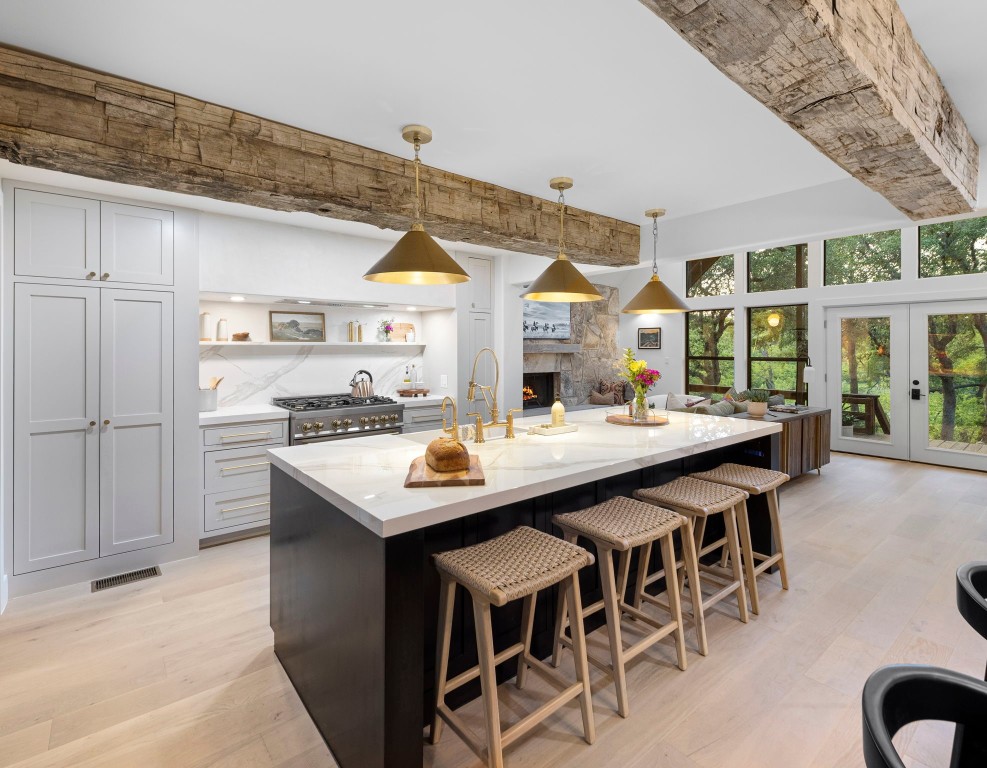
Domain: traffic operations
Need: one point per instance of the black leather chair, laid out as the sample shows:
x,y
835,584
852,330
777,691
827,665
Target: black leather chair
x,y
900,694
971,587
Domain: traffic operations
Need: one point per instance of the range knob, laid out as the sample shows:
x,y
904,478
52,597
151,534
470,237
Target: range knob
x,y
318,426
347,423
394,418
375,419
364,421
306,427
336,423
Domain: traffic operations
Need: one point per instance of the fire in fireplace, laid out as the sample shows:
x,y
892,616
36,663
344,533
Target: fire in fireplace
x,y
539,389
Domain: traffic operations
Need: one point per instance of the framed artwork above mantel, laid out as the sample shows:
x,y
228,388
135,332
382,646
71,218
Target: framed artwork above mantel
x,y
649,338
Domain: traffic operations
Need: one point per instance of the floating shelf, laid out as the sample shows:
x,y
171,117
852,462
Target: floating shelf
x,y
330,344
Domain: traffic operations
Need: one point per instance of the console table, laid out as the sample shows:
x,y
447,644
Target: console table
x,y
804,439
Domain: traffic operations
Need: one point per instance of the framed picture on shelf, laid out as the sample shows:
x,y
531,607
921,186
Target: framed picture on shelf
x,y
649,338
298,326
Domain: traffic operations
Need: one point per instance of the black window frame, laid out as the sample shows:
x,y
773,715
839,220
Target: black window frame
x,y
801,361
710,389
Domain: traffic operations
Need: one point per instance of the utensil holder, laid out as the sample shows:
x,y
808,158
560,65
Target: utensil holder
x,y
208,399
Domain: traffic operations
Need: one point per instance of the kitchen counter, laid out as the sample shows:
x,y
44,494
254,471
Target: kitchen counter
x,y
411,402
354,594
364,477
235,414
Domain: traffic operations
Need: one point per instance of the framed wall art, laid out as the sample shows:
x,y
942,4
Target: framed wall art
x,y
649,338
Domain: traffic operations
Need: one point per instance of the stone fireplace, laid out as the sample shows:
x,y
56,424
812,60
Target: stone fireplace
x,y
576,366
540,388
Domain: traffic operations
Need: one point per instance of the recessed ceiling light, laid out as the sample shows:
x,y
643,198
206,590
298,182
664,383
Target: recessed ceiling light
x,y
304,301
370,306
237,298
412,309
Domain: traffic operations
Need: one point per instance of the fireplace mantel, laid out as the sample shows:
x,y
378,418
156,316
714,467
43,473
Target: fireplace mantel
x,y
551,348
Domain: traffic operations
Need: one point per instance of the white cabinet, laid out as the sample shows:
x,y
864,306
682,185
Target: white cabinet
x,y
76,238
137,412
421,418
480,270
56,433
136,244
93,433
55,235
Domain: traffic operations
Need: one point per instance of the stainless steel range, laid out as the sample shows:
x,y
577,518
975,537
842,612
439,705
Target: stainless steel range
x,y
317,418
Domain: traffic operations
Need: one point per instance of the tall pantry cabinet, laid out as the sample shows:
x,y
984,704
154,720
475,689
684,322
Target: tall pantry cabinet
x,y
93,395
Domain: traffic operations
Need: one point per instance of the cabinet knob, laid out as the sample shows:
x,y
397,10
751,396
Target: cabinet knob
x,y
90,276
106,422
92,423
105,276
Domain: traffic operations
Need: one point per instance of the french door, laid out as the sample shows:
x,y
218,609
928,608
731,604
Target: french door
x,y
909,381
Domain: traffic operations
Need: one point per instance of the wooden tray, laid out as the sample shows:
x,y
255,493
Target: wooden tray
x,y
626,421
412,392
420,475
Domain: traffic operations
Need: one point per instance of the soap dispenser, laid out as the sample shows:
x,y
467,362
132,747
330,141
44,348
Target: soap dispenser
x,y
558,413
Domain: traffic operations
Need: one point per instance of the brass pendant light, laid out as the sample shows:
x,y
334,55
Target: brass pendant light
x,y
416,259
655,297
561,281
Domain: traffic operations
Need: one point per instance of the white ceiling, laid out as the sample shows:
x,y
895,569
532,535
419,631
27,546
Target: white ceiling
x,y
516,91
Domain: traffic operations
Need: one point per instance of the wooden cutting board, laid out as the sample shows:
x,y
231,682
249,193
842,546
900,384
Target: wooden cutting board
x,y
401,330
420,475
413,392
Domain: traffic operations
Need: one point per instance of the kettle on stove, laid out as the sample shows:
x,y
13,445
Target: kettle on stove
x,y
362,387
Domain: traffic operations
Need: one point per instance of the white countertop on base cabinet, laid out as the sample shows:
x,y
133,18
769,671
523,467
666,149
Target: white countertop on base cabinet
x,y
364,477
235,414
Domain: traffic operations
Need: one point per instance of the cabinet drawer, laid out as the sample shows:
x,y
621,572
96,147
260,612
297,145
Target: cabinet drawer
x,y
241,434
235,468
431,413
224,510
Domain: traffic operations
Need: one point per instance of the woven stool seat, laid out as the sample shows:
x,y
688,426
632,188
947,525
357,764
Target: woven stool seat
x,y
625,523
513,565
698,497
754,480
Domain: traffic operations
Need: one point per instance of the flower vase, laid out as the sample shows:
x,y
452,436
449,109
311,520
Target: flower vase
x,y
641,411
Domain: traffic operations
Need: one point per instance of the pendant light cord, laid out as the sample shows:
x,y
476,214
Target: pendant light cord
x,y
418,194
562,225
654,234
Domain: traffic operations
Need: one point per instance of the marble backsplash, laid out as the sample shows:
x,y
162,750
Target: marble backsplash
x,y
254,375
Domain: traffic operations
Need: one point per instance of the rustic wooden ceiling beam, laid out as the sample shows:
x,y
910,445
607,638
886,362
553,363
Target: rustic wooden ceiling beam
x,y
850,77
63,117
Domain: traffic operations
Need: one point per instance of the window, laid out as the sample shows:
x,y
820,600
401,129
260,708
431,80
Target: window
x,y
709,351
778,269
871,258
709,277
953,248
778,349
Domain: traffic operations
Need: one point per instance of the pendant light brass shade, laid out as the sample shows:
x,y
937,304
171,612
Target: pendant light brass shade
x,y
561,281
655,298
416,259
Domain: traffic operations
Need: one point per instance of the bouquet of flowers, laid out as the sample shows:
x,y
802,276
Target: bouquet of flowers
x,y
386,327
636,373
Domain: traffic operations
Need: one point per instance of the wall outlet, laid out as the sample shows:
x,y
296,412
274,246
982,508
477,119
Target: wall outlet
x,y
443,381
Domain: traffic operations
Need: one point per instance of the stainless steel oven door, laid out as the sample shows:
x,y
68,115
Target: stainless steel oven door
x,y
295,440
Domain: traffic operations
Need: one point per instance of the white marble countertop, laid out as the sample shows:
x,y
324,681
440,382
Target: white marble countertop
x,y
234,414
421,402
364,477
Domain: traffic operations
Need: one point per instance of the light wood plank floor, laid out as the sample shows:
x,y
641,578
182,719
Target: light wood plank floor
x,y
179,670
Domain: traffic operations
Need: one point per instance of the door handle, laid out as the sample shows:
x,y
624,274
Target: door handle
x,y
916,392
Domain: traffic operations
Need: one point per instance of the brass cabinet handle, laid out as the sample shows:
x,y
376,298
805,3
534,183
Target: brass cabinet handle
x,y
245,466
105,276
243,434
92,423
90,276
245,506
106,422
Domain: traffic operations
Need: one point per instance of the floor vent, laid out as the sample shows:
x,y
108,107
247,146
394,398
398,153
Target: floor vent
x,y
125,578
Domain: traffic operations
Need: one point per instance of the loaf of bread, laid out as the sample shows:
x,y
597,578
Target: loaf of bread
x,y
447,454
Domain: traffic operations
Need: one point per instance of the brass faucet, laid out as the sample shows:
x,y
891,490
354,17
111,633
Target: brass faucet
x,y
510,422
454,431
489,395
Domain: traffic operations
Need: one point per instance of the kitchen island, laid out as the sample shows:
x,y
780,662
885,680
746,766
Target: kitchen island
x,y
353,591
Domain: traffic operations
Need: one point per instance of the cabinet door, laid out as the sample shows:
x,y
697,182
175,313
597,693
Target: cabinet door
x,y
55,235
481,335
136,396
481,283
56,451
137,244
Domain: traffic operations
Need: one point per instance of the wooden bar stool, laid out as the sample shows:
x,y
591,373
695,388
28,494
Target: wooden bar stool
x,y
624,524
697,500
509,567
754,481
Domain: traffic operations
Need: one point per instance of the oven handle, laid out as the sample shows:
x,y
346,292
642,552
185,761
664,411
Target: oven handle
x,y
298,440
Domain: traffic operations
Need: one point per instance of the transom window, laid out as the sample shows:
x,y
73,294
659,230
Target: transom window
x,y
709,277
778,269
953,248
870,258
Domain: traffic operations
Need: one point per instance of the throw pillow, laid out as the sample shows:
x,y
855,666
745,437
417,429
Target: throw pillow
x,y
722,408
616,388
598,398
740,407
743,396
675,403
694,401
730,394
776,400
